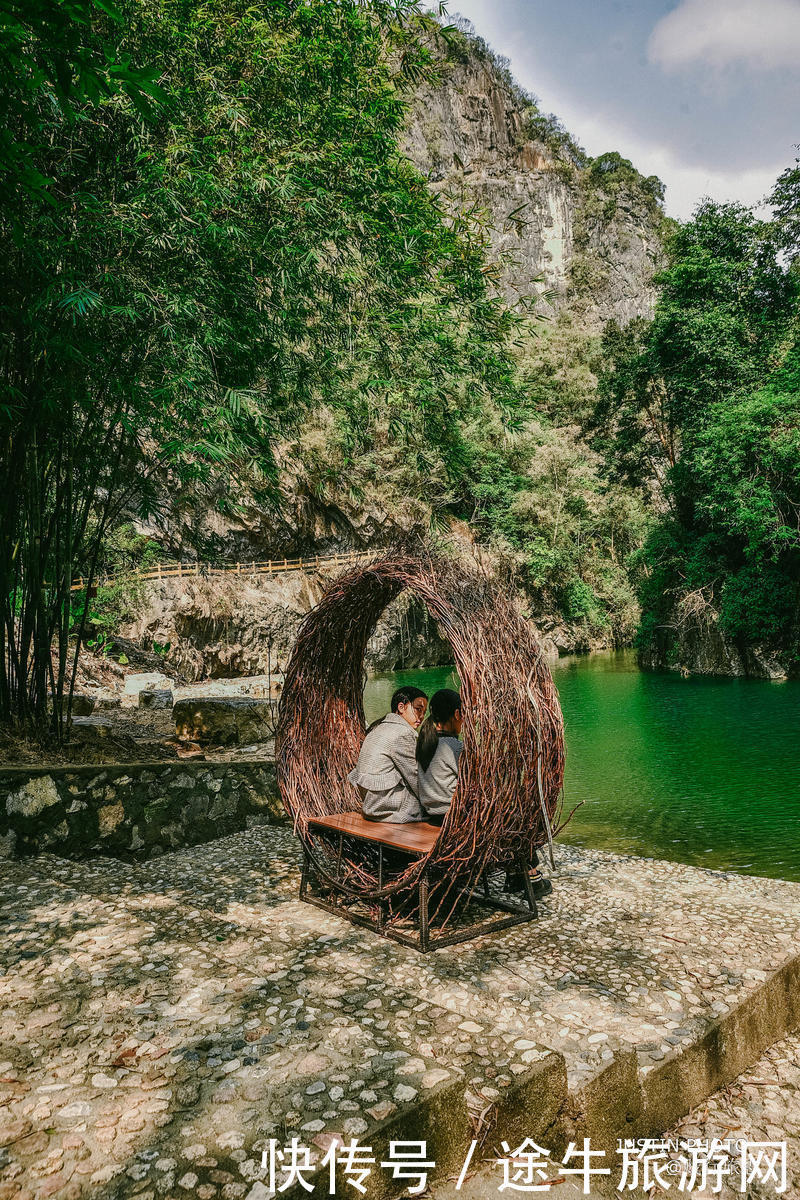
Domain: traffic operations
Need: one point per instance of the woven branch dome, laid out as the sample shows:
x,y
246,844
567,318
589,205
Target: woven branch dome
x,y
511,770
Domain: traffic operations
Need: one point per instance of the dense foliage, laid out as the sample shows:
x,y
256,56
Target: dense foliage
x,y
541,494
195,277
704,402
212,247
534,492
47,59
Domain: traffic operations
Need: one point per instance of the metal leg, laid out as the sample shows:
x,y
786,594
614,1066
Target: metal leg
x,y
423,912
526,878
339,896
317,887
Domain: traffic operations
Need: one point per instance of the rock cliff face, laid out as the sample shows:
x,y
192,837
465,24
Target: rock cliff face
x,y
695,645
231,520
472,135
246,625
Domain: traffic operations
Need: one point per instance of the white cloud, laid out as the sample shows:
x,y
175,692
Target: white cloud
x,y
686,185
763,34
598,131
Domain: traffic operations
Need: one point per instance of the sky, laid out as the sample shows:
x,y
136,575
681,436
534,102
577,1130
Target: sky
x,y
703,93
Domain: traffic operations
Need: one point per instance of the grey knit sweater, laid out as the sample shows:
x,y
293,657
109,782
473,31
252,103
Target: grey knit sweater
x,y
386,772
437,784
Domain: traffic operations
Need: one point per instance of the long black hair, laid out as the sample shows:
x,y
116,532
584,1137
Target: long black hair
x,y
443,707
403,695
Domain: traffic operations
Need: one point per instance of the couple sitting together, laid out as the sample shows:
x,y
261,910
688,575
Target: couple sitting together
x,y
408,766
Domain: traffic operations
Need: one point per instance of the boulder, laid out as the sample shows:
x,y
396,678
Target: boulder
x,y
224,721
155,698
258,687
763,664
91,737
146,681
92,727
33,797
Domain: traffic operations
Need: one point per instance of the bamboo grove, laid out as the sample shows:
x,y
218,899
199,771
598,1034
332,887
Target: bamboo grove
x,y
207,228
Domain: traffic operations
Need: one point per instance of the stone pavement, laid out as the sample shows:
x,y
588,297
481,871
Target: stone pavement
x,y
159,1023
761,1105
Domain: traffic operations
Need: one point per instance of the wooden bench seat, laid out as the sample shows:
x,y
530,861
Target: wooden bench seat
x,y
326,885
417,837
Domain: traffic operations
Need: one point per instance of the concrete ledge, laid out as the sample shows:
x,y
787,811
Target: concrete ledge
x,y
533,1107
609,1106
447,1121
731,1045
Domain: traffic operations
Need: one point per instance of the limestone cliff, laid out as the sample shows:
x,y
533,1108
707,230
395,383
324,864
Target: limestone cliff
x,y
231,626
477,136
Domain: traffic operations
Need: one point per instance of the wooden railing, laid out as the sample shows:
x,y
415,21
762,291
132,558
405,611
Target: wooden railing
x,y
182,570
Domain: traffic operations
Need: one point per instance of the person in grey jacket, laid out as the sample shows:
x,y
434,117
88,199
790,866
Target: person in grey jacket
x,y
386,772
437,753
438,750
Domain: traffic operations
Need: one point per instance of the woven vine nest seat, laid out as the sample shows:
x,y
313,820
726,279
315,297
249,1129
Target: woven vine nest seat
x,y
421,884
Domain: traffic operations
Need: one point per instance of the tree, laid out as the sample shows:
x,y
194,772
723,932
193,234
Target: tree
x,y
702,401
199,276
785,201
633,424
725,310
46,58
539,495
748,476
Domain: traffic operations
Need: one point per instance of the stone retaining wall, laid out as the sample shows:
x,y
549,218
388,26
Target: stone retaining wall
x,y
132,811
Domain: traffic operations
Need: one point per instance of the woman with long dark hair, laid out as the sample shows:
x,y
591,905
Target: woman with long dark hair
x,y
438,750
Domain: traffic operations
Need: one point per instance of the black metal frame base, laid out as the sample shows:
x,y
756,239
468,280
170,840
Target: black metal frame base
x,y
339,900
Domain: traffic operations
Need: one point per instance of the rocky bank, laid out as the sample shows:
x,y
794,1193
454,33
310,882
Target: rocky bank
x,y
693,642
232,626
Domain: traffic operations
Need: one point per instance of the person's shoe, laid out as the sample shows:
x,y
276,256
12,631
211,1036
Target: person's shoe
x,y
541,886
515,883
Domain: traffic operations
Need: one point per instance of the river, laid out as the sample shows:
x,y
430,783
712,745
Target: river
x,y
702,771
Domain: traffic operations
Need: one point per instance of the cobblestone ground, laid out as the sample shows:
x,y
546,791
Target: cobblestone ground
x,y
160,1022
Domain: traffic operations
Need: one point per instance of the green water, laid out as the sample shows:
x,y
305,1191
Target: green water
x,y
702,771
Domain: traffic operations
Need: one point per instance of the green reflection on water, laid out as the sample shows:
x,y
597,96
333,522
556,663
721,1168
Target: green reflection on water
x,y
702,771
